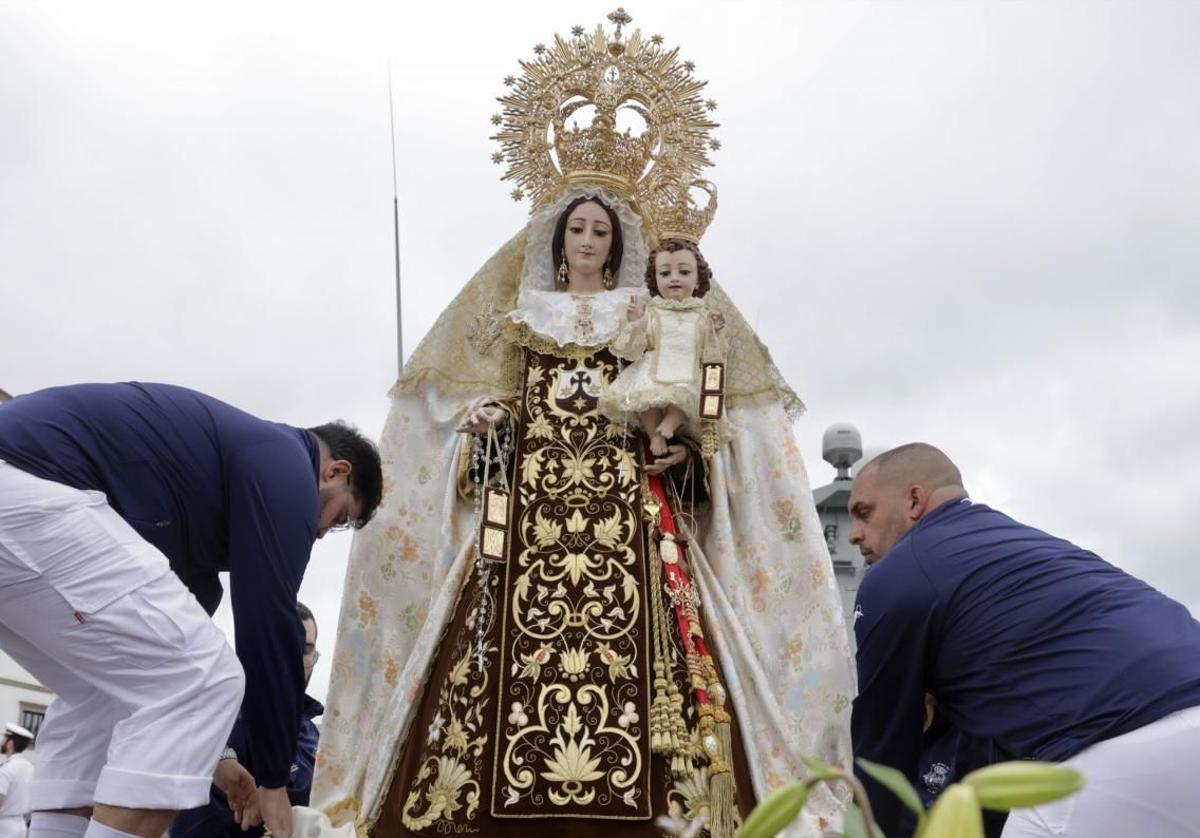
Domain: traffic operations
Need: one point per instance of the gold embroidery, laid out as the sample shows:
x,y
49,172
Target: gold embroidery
x,y
574,645
447,785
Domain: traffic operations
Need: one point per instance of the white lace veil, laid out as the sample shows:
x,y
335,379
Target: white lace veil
x,y
538,272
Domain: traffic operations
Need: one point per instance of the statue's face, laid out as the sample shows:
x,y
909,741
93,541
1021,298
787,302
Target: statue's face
x,y
675,274
587,238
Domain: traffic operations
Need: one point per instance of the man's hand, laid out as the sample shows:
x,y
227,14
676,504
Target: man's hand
x,y
676,454
276,811
240,790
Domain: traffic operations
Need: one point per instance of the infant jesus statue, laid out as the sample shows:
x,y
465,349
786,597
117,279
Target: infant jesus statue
x,y
667,340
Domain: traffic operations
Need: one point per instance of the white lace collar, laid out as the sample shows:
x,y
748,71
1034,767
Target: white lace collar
x,y
582,319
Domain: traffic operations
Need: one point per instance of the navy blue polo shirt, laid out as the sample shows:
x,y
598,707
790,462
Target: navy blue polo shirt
x,y
1024,639
215,489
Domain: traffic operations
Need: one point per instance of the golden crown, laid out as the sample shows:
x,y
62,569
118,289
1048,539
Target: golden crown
x,y
610,74
676,213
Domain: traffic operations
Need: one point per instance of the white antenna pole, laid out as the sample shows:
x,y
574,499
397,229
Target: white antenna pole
x,y
396,233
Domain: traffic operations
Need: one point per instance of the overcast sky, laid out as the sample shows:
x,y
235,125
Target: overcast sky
x,y
975,224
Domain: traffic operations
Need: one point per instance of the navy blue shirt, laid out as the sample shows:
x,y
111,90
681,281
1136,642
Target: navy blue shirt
x,y
948,755
1024,639
215,489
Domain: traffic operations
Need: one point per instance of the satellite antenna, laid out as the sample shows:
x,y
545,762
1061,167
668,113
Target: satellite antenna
x,y
396,232
841,447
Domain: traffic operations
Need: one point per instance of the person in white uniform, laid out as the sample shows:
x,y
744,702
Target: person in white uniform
x,y
16,778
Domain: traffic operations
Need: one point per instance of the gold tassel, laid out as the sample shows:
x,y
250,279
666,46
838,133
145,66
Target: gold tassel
x,y
710,438
722,805
681,761
722,789
668,730
659,729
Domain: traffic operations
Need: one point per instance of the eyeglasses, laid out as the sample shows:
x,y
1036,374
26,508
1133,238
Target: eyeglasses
x,y
346,523
313,654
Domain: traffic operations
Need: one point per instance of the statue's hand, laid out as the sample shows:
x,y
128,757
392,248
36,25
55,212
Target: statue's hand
x,y
635,309
676,453
478,421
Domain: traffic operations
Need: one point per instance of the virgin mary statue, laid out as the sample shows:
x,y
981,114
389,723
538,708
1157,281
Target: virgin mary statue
x,y
544,629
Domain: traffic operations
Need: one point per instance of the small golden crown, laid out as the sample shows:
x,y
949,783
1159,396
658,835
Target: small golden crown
x,y
676,215
609,74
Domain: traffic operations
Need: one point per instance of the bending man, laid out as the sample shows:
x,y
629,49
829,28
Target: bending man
x,y
106,489
1026,640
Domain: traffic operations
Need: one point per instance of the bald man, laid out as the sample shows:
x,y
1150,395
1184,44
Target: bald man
x,y
1024,639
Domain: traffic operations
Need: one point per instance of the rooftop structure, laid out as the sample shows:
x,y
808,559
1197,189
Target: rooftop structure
x,y
841,447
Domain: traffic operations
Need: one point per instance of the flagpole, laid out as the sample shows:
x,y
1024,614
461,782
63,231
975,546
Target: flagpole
x,y
396,232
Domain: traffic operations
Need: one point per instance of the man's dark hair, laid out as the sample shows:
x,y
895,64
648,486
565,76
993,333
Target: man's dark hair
x,y
366,472
20,743
615,251
305,613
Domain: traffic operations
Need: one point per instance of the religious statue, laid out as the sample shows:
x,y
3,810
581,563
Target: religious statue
x,y
548,628
670,342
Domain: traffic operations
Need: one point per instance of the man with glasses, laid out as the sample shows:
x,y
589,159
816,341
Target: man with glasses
x,y
217,819
300,782
104,488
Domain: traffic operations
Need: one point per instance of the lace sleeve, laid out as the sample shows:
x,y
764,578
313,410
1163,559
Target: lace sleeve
x,y
632,338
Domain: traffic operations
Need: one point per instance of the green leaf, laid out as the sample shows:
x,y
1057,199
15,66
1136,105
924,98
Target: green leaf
x,y
819,769
1022,784
779,809
895,782
955,814
854,825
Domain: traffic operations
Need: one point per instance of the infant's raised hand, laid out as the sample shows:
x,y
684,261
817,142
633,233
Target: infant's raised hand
x,y
635,309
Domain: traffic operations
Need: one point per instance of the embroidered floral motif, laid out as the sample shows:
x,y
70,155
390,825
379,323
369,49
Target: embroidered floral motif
x,y
575,636
446,789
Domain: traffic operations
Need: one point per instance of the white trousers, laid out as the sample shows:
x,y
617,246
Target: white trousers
x,y
1143,783
147,688
12,827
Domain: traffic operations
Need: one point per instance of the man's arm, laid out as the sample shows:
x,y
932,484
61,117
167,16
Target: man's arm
x,y
892,626
300,785
272,526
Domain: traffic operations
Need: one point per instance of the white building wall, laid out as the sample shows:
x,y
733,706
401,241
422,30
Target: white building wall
x,y
20,693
